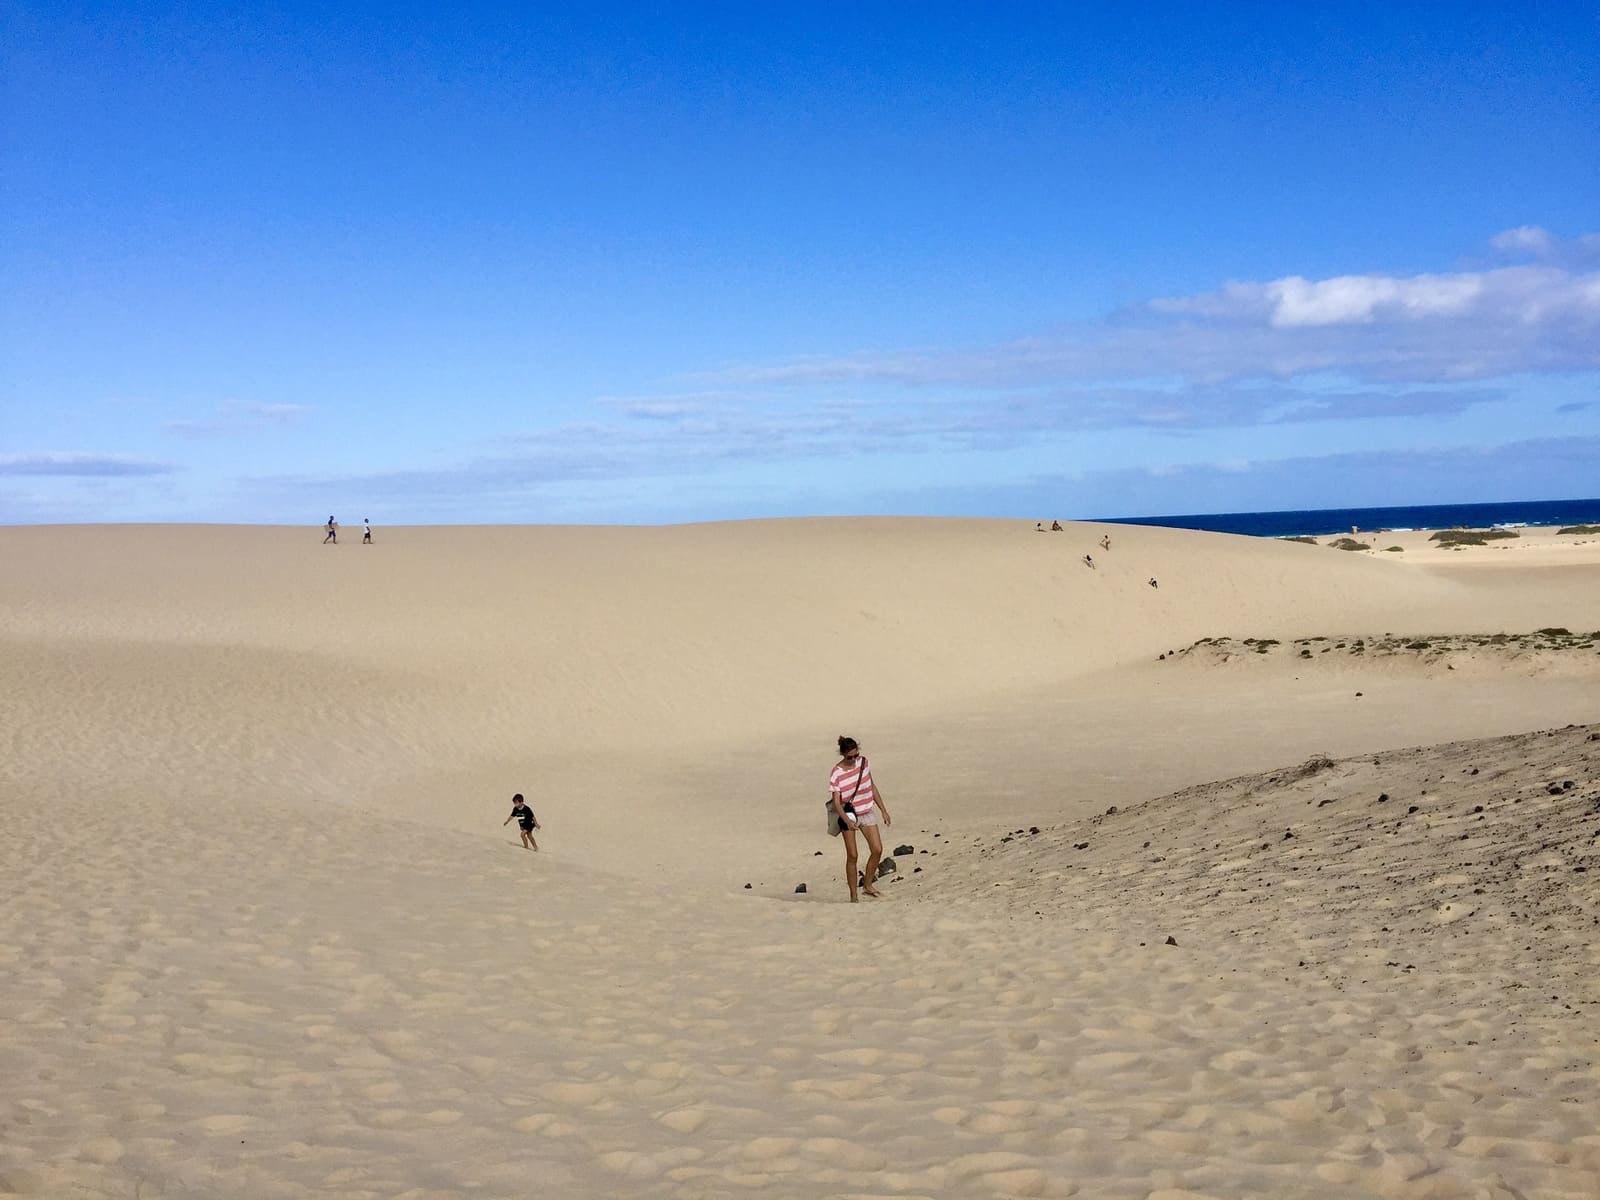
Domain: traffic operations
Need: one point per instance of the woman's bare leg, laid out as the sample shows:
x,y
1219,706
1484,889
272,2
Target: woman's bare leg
x,y
875,844
849,836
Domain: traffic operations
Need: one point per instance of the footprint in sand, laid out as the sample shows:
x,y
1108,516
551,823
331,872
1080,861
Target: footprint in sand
x,y
684,1120
224,1123
840,1152
101,1150
632,1164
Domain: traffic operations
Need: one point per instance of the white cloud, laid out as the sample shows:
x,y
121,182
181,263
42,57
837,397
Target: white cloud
x,y
1429,328
1528,295
1524,239
1530,241
236,416
80,464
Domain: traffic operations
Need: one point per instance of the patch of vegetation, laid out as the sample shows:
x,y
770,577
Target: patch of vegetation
x,y
1583,530
1471,537
1417,645
1554,631
1394,549
1311,541
1349,543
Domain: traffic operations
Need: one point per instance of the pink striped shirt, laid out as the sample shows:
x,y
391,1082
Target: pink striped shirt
x,y
843,781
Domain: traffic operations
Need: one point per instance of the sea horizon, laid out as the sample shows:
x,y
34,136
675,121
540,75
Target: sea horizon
x,y
1320,522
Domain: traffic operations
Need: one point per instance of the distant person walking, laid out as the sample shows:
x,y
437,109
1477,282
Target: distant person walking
x,y
1105,542
859,807
1153,581
333,532
525,818
1088,562
366,538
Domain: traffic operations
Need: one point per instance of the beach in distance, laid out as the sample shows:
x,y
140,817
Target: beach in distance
x,y
1223,866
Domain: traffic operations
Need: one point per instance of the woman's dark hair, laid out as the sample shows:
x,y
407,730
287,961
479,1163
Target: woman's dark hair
x,y
847,744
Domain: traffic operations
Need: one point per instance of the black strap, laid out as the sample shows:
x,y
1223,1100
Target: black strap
x,y
848,802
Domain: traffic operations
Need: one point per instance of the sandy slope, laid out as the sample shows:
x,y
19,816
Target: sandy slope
x,y
266,936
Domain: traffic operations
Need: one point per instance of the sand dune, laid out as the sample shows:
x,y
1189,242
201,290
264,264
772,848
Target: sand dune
x,y
266,937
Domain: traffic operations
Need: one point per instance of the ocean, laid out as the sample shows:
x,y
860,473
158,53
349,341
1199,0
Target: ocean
x,y
1317,522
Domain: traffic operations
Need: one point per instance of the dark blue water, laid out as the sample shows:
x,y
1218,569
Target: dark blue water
x,y
1319,521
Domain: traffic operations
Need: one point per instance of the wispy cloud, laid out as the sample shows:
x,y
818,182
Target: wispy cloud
x,y
1293,353
1431,328
1530,241
79,464
235,417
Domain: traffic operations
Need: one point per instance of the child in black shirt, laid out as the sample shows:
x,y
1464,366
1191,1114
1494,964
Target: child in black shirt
x,y
526,819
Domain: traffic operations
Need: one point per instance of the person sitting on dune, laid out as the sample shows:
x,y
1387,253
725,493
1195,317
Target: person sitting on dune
x,y
1055,527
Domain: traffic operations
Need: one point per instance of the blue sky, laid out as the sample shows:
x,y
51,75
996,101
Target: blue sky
x,y
688,263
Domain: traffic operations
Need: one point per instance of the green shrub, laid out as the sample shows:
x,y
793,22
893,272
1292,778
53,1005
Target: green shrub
x,y
1311,541
1471,537
1394,550
1588,530
1346,543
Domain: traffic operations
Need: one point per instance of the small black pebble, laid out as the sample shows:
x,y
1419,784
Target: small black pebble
x,y
799,889
747,887
1171,941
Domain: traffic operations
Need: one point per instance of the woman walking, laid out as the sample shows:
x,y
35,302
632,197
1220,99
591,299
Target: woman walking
x,y
860,808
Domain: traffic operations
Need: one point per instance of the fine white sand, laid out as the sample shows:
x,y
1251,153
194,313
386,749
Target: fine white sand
x,y
264,934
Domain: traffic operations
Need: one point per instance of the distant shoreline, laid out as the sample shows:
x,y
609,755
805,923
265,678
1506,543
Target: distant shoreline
x,y
1395,519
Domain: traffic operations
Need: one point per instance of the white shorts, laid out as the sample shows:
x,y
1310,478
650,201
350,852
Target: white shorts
x,y
870,817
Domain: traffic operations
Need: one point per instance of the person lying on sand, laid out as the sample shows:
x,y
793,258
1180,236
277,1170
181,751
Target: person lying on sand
x,y
858,804
526,819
